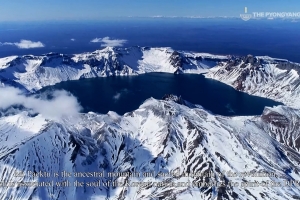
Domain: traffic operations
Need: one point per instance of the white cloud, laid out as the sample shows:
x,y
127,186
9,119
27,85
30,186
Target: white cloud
x,y
6,43
106,41
72,39
62,104
96,40
117,96
25,44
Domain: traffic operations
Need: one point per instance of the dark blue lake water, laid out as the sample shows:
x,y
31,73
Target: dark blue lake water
x,y
275,38
125,94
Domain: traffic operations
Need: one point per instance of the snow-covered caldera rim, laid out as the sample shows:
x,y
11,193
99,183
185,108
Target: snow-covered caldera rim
x,y
166,49
177,102
33,73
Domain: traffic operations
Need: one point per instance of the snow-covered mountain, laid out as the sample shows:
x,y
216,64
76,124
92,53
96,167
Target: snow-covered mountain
x,y
263,76
179,142
186,148
34,72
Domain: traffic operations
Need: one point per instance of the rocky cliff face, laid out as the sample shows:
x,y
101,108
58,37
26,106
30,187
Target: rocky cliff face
x,y
283,126
184,149
261,76
35,72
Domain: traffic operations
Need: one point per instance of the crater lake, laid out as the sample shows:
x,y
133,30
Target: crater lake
x,y
123,94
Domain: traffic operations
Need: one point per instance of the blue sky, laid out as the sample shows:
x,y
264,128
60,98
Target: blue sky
x,y
28,10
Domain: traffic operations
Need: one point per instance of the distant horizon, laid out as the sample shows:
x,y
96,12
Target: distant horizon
x,y
221,36
120,18
29,10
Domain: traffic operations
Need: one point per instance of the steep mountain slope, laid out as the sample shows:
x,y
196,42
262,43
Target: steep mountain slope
x,y
261,76
162,136
34,72
283,123
186,148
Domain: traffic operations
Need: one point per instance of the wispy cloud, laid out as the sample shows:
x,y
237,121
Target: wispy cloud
x,y
24,44
106,41
62,104
96,40
117,96
72,39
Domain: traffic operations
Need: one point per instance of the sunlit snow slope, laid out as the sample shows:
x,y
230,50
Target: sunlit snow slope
x,y
34,72
161,136
263,76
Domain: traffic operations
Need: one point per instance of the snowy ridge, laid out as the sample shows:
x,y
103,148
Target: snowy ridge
x,y
35,72
160,136
273,78
276,79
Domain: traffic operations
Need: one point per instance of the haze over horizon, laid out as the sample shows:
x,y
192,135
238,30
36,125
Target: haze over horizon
x,y
32,10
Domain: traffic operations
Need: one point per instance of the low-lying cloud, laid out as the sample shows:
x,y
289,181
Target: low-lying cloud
x,y
62,104
107,42
24,44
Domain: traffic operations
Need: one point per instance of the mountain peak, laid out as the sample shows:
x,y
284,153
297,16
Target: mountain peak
x,y
257,75
160,138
